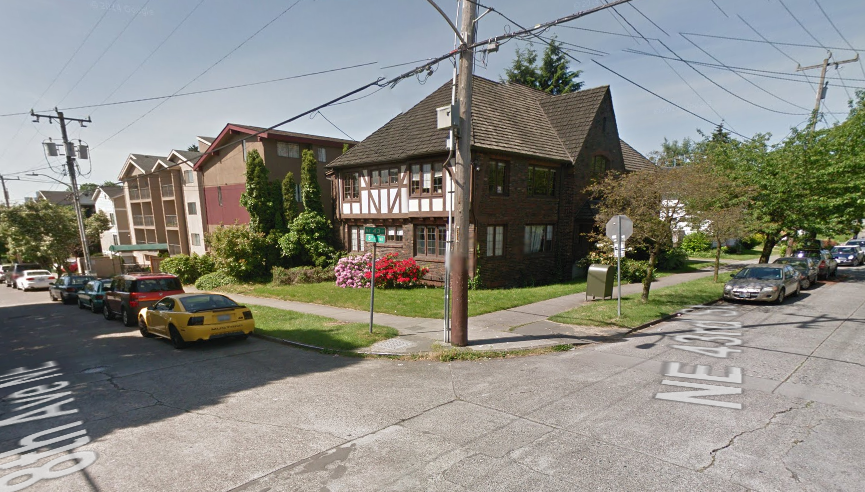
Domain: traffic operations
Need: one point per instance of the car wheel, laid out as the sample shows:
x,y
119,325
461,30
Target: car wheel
x,y
780,299
176,340
106,312
93,308
142,327
127,319
81,304
806,284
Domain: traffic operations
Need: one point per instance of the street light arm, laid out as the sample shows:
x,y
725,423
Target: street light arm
x,y
49,177
462,40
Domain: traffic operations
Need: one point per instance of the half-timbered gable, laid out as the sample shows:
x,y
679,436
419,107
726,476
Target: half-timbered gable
x,y
532,154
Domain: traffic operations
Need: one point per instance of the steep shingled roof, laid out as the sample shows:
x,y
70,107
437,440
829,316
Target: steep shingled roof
x,y
634,161
112,191
63,197
505,117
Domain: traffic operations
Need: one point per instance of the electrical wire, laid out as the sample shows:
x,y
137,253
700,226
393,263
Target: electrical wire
x,y
331,124
839,33
648,19
719,8
766,41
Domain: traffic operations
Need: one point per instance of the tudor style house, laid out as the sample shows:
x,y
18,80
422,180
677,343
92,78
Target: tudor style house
x,y
223,172
532,155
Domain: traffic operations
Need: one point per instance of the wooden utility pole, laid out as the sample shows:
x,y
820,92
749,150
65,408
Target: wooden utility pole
x,y
821,89
5,191
462,183
69,149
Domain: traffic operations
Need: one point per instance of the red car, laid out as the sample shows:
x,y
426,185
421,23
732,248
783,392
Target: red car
x,y
128,294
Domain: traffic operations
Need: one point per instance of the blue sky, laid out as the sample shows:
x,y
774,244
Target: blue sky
x,y
43,36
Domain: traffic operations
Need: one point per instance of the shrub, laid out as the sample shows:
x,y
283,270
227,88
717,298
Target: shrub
x,y
391,272
673,259
238,251
302,275
349,271
309,240
214,280
695,242
188,268
748,242
633,271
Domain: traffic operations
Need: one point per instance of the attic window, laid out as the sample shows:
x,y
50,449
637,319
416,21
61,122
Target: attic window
x,y
600,165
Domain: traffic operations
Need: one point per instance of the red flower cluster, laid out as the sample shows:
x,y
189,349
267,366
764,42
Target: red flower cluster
x,y
391,272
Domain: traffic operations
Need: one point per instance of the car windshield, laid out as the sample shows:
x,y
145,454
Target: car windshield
x,y
795,262
79,279
760,273
158,284
37,272
206,302
808,253
849,251
106,283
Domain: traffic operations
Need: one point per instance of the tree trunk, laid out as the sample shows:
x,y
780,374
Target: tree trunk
x,y
647,281
717,258
768,244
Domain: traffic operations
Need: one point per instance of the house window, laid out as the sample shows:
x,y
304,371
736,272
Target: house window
x,y
393,176
437,179
415,179
541,181
115,239
376,178
394,234
192,208
538,239
356,238
196,239
498,178
350,186
430,241
599,165
495,240
426,179
112,219
321,154
189,176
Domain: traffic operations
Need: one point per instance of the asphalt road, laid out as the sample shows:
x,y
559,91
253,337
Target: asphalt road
x,y
116,412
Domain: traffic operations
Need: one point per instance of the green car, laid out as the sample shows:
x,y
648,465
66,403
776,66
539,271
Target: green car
x,y
93,294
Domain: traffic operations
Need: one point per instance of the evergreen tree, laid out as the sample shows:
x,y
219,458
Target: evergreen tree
x,y
258,199
289,198
554,75
523,70
310,191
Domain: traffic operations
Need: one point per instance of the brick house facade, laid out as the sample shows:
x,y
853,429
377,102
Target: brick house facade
x,y
532,155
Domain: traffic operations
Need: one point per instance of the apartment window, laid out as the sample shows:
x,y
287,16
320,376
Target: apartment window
x,y
393,176
192,208
115,239
321,154
112,219
541,181
498,178
189,176
415,179
538,239
219,195
599,165
285,149
430,241
196,239
351,186
394,234
495,240
356,238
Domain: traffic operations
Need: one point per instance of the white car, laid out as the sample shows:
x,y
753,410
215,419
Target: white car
x,y
35,279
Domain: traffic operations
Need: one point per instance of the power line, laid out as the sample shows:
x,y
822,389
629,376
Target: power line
x,y
719,8
332,124
214,64
766,41
839,33
664,98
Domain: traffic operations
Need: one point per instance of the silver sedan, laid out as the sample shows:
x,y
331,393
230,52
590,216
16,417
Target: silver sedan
x,y
764,282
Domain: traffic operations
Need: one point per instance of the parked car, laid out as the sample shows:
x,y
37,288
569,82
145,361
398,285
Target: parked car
x,y
857,243
826,264
4,268
93,294
128,294
848,255
16,270
764,282
186,318
34,279
67,286
807,268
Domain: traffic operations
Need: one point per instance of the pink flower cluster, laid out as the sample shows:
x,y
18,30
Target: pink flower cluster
x,y
350,271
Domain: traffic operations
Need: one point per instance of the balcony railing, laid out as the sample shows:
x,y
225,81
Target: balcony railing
x,y
138,220
148,221
170,221
174,249
168,191
145,193
134,194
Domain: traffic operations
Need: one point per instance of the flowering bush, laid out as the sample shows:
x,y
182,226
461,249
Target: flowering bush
x,y
391,272
350,270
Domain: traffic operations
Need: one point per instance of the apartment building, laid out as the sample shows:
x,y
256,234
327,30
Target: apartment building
x,y
111,200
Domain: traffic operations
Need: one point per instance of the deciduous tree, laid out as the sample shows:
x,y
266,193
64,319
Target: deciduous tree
x,y
40,231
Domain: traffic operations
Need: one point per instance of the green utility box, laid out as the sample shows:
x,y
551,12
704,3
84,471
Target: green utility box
x,y
600,280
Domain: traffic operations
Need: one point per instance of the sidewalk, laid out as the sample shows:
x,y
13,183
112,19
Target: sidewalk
x,y
523,327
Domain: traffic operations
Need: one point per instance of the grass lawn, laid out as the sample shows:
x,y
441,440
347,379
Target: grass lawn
x,y
746,254
317,330
419,302
662,302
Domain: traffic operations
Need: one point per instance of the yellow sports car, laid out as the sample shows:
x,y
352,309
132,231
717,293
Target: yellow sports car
x,y
185,318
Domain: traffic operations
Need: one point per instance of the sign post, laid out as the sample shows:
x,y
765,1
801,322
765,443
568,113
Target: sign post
x,y
619,229
373,235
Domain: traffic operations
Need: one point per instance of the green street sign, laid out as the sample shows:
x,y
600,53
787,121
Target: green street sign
x,y
374,230
374,238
